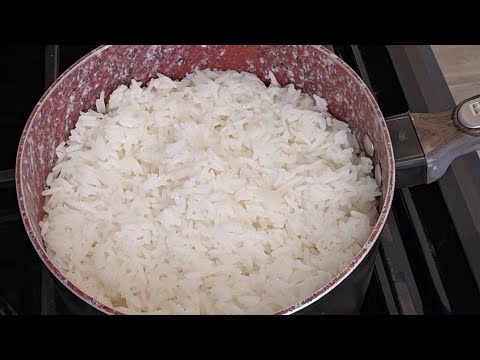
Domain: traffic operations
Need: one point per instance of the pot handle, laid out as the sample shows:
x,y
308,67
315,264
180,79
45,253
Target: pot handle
x,y
447,135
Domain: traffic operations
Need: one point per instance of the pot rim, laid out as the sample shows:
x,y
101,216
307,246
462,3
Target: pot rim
x,y
332,284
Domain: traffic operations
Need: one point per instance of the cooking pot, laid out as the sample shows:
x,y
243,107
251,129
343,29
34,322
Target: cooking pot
x,y
426,143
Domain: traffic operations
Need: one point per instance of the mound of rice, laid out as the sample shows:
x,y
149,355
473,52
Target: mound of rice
x,y
211,195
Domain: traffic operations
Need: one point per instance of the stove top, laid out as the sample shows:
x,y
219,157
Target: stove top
x,y
429,254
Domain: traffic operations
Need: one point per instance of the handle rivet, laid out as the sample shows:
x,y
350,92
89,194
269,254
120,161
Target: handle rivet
x,y
378,174
368,145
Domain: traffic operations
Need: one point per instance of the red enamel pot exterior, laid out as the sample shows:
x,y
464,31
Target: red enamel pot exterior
x,y
313,70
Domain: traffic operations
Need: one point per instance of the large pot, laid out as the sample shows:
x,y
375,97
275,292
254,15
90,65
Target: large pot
x,y
441,137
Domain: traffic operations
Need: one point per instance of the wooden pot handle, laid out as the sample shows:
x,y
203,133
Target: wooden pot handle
x,y
447,135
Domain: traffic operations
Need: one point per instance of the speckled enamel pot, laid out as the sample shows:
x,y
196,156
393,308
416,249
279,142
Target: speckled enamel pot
x,y
314,70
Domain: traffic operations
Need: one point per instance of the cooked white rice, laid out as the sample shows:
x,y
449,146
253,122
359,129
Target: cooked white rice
x,y
210,195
